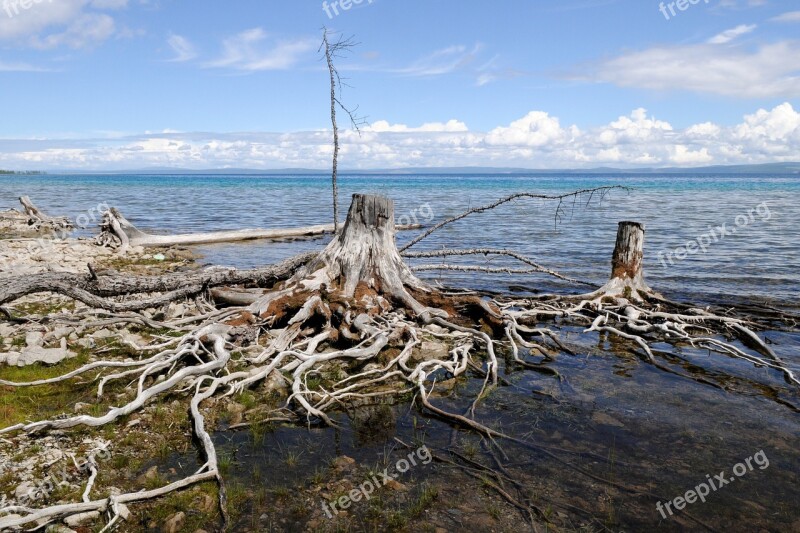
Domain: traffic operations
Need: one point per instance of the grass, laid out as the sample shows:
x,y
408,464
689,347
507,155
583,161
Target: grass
x,y
22,404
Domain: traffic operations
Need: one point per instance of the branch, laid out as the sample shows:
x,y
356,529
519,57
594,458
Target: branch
x,y
559,209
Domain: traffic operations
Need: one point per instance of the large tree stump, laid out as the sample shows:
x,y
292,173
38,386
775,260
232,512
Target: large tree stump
x,y
363,255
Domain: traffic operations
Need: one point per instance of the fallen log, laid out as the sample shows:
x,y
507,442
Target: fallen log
x,y
95,290
116,229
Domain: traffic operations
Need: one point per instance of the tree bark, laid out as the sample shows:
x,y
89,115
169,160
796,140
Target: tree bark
x,y
627,272
364,253
95,291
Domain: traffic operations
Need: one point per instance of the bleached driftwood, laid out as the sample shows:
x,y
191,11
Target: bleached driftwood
x,y
119,230
40,220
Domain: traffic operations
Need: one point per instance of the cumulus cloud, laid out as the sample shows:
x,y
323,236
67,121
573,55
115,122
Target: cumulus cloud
x,y
537,128
383,126
537,140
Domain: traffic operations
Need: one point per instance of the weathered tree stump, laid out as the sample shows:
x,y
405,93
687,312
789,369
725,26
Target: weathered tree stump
x,y
627,272
364,255
626,262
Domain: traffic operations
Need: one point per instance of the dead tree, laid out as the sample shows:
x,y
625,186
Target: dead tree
x,y
335,50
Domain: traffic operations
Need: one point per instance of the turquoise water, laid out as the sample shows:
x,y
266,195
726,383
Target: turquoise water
x,y
760,261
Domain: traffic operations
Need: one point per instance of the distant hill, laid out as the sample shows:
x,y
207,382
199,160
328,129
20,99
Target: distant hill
x,y
767,168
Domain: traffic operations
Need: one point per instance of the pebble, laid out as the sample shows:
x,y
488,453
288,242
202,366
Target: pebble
x,y
174,523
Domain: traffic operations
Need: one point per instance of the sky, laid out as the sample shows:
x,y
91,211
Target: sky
x,y
200,84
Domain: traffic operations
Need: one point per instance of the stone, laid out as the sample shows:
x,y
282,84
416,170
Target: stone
x,y
86,342
174,523
123,511
9,358
34,339
47,356
103,334
393,484
25,490
59,528
343,462
431,350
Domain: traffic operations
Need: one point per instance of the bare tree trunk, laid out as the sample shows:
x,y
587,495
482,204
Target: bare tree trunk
x,y
332,72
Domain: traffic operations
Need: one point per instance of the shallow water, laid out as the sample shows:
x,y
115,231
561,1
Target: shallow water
x,y
611,417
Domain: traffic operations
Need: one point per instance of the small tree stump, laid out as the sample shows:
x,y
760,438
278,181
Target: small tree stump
x,y
627,272
626,261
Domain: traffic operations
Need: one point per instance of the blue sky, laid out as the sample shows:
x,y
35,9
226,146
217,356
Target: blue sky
x,y
115,84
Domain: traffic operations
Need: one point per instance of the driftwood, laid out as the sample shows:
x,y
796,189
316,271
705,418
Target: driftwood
x,y
96,290
356,304
117,230
40,220
32,221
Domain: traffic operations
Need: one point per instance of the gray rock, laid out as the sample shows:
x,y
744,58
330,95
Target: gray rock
x,y
47,356
103,334
34,339
9,358
24,491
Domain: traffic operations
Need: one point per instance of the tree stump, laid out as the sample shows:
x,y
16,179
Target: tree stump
x,y
627,272
626,262
364,255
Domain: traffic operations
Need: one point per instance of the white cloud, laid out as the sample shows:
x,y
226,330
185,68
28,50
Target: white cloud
x,y
383,126
50,24
537,140
251,51
184,50
442,61
537,128
729,35
767,71
86,30
791,16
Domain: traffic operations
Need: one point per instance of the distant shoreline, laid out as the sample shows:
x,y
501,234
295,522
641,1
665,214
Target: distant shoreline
x,y
790,169
22,173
